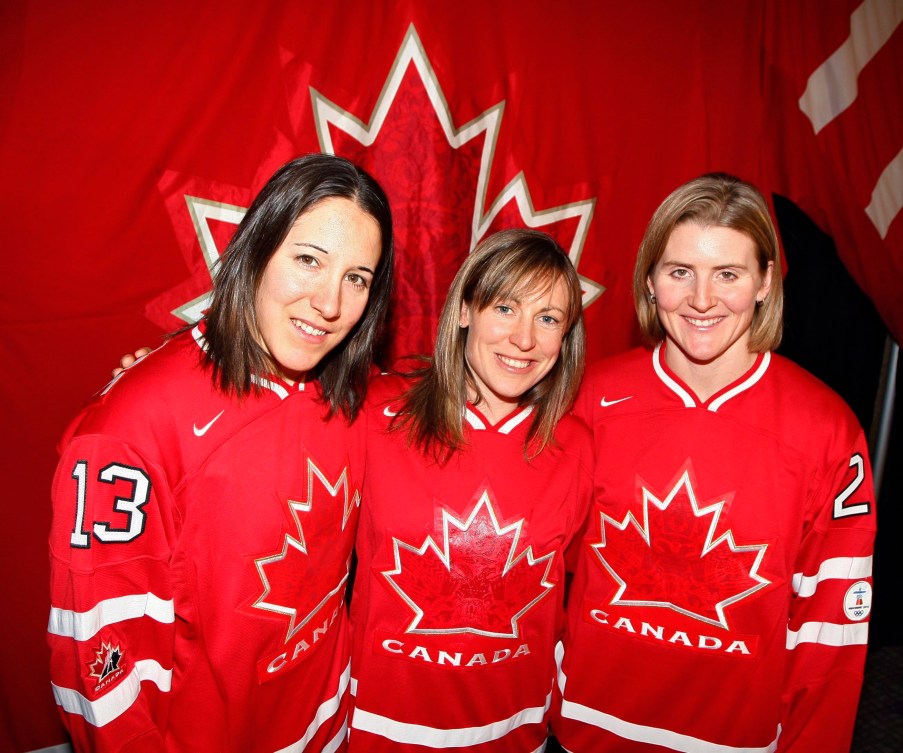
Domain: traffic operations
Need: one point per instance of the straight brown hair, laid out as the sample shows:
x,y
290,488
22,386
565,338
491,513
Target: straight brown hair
x,y
507,265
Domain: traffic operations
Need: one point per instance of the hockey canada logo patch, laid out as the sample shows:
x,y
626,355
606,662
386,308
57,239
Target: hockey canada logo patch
x,y
107,664
677,556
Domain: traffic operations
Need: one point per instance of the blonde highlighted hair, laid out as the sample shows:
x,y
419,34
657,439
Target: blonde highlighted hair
x,y
507,265
714,200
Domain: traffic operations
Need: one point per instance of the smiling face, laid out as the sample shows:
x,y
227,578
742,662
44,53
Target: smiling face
x,y
316,285
512,345
706,285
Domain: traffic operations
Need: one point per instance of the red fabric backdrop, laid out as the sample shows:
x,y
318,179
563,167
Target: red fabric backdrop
x,y
133,135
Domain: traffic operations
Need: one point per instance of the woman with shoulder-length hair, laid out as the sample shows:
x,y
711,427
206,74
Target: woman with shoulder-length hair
x,y
205,504
727,565
477,481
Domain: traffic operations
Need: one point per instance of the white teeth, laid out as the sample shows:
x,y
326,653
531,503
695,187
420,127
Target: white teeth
x,y
308,329
514,364
704,322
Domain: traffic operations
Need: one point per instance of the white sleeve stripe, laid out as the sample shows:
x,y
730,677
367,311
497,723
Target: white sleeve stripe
x,y
325,712
559,660
839,568
84,625
461,737
829,634
338,741
111,705
655,735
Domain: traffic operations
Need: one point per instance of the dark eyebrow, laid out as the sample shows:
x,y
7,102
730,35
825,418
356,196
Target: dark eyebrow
x,y
324,251
312,245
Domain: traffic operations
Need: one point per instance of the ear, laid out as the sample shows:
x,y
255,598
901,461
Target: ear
x,y
464,319
765,288
649,285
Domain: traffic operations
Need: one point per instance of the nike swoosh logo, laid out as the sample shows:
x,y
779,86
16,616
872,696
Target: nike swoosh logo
x,y
608,403
203,430
389,414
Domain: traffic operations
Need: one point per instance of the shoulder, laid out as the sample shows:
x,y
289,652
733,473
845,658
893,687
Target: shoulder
x,y
799,411
798,391
170,381
573,429
615,380
619,368
386,388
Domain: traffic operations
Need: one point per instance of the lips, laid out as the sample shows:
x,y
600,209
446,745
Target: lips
x,y
308,329
704,323
514,363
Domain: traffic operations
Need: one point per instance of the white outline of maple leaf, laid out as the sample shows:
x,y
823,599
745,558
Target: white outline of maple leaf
x,y
202,210
325,112
413,53
444,556
300,545
715,510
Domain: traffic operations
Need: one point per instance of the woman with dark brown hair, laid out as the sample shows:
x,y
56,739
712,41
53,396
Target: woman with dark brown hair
x,y
205,504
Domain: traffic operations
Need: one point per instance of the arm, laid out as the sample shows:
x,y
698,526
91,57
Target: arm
x,y
111,627
829,613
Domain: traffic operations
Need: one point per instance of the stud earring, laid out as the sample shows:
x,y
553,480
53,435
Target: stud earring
x,y
652,298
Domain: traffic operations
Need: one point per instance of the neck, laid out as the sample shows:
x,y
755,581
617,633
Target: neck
x,y
708,378
494,410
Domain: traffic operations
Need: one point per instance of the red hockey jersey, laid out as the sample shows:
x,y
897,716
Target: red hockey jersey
x,y
724,586
199,554
457,600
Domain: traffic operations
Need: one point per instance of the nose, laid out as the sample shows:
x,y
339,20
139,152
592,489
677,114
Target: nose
x,y
327,299
522,335
701,297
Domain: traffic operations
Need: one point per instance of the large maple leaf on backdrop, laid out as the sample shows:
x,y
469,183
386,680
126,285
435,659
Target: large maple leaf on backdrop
x,y
435,173
675,556
474,580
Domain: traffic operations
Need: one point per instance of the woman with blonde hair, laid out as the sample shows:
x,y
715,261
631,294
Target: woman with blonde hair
x,y
723,587
477,482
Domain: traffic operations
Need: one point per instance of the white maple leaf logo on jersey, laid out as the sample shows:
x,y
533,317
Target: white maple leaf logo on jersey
x,y
437,175
675,558
474,579
291,586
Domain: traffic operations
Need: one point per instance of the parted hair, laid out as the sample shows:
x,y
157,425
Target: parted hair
x,y
232,332
714,200
508,265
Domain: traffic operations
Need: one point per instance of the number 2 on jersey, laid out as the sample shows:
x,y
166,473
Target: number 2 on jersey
x,y
843,510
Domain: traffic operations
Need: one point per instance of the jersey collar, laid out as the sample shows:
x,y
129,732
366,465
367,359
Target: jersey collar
x,y
478,421
690,400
